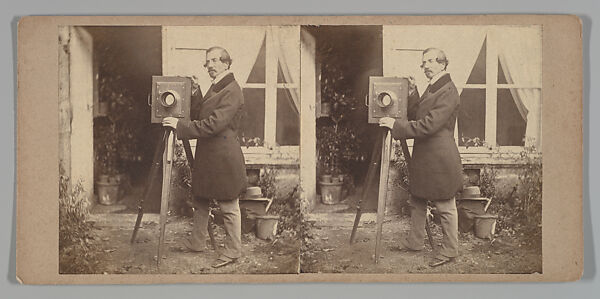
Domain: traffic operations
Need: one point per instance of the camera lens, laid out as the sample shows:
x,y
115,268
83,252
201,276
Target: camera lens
x,y
386,100
169,99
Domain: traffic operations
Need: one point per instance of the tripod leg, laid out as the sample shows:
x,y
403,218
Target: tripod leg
x,y
166,190
188,152
356,222
211,233
156,162
428,230
383,182
369,181
405,150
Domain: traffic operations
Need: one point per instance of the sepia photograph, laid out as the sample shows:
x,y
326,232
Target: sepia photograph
x,y
179,149
428,150
313,149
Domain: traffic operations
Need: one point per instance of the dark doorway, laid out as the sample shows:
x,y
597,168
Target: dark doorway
x,y
125,59
348,55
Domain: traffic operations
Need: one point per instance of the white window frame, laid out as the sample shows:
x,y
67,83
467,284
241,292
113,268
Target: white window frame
x,y
491,104
270,152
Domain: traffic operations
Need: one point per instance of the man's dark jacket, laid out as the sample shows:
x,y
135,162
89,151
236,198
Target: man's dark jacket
x,y
435,171
219,170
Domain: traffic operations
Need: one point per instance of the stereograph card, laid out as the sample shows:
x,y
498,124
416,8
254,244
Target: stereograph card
x,y
299,149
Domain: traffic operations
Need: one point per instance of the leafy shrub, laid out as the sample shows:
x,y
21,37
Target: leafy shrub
x,y
181,197
529,206
499,206
487,182
105,147
399,162
288,208
77,253
266,183
521,210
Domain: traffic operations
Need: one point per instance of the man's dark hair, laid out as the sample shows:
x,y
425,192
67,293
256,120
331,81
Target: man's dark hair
x,y
225,58
441,56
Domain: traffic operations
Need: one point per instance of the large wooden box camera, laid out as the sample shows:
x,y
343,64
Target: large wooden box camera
x,y
388,97
170,97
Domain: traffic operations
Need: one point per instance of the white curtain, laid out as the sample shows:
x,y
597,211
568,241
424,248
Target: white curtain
x,y
403,47
286,40
520,55
187,46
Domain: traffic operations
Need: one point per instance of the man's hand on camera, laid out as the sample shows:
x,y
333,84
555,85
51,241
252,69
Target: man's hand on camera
x,y
195,85
170,122
387,122
412,87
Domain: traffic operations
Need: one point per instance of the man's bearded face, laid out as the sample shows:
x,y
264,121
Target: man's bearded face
x,y
430,65
214,65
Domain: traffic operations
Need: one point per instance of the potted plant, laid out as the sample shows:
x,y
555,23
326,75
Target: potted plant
x,y
337,140
105,150
115,139
337,149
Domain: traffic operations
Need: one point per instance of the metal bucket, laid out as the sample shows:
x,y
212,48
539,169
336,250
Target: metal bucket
x,y
485,226
266,227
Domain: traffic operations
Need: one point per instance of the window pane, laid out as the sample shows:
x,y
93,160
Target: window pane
x,y
288,119
253,122
257,75
280,76
477,75
510,129
471,117
501,76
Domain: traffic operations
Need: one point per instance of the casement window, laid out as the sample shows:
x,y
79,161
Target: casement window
x,y
272,92
497,70
501,99
266,64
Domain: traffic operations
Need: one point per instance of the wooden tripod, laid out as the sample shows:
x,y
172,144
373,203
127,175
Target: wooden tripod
x,y
384,157
166,147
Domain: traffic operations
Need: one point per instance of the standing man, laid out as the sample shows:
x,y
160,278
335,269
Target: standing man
x,y
435,171
219,171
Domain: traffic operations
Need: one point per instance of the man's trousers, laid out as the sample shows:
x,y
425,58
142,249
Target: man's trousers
x,y
449,221
232,221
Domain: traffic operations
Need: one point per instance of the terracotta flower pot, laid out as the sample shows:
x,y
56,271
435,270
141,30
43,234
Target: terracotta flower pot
x,y
337,179
326,178
331,193
108,192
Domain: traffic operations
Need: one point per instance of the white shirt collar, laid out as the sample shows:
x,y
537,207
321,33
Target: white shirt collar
x,y
220,76
437,77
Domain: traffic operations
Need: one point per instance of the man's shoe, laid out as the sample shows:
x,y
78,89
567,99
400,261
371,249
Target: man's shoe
x,y
404,247
439,260
223,261
188,244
